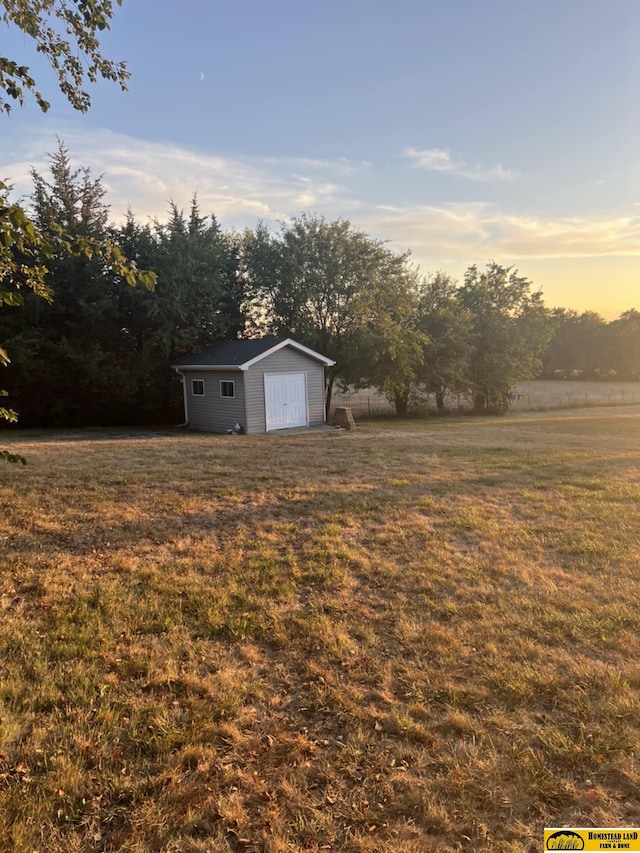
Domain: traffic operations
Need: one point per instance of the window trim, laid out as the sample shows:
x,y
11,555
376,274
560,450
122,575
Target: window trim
x,y
199,383
233,389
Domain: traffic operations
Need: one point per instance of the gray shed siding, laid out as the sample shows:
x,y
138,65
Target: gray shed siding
x,y
285,360
213,412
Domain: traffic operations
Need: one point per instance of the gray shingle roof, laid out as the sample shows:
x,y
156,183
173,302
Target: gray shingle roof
x,y
242,354
228,353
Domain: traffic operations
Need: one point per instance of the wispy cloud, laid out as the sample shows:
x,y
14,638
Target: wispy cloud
x,y
470,233
337,165
240,190
144,176
441,160
571,237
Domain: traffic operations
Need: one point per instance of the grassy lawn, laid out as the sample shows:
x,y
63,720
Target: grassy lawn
x,y
421,636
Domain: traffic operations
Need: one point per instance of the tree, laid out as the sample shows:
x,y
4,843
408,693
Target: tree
x,y
66,33
74,55
338,291
31,251
199,292
578,346
76,335
509,329
108,348
623,338
446,326
386,348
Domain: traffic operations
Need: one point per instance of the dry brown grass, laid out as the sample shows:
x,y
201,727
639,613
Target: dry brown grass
x,y
415,637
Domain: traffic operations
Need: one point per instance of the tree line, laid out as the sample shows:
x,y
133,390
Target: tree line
x,y
585,346
94,351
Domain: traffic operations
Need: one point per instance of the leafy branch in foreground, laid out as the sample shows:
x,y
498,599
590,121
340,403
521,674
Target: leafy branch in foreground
x,y
24,247
66,33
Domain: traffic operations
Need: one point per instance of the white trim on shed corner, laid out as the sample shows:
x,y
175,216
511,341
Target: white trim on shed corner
x,y
184,395
288,343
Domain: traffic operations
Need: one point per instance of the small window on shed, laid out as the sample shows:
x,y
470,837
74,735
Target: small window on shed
x,y
197,387
227,388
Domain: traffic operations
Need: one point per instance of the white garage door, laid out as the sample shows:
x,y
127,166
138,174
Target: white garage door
x,y
285,397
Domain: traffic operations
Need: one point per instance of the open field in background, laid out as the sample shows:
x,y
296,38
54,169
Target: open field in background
x,y
419,636
534,395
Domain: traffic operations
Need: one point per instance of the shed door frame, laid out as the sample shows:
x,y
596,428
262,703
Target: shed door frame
x,y
284,406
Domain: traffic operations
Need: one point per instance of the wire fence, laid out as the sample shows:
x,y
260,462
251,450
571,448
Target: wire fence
x,y
534,395
560,394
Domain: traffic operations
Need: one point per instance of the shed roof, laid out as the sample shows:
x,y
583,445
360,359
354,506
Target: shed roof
x,y
240,355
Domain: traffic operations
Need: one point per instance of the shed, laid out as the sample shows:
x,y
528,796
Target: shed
x,y
263,385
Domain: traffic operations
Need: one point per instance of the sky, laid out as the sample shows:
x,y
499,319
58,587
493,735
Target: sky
x,y
462,130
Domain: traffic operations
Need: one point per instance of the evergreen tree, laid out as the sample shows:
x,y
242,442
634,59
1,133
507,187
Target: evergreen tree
x,y
198,297
63,369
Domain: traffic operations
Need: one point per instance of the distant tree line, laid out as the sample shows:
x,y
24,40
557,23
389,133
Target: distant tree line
x,y
585,346
100,352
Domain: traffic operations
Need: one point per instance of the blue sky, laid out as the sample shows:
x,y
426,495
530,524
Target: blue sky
x,y
464,130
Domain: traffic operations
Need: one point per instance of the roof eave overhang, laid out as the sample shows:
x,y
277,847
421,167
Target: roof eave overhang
x,y
180,367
